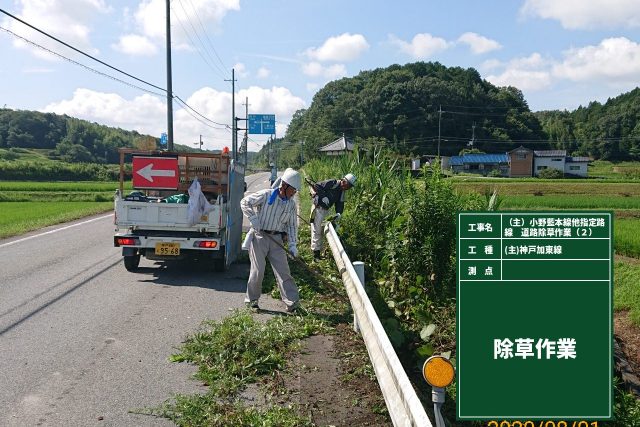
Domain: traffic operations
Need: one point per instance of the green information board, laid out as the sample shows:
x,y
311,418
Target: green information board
x,y
534,315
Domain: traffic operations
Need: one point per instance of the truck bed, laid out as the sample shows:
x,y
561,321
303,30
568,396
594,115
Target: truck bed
x,y
165,216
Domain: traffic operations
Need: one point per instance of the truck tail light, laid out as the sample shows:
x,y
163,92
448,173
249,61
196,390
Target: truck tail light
x,y
207,244
127,241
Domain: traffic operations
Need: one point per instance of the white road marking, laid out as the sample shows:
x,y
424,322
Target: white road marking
x,y
56,230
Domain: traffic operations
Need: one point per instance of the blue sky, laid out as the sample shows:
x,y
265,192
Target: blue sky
x,y
561,54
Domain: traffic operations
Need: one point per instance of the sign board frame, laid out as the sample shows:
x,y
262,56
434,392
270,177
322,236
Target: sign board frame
x,y
547,278
155,172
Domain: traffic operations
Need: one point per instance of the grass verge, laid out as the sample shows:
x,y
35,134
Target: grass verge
x,y
21,217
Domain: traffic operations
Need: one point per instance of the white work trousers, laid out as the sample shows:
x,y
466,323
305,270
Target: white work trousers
x,y
318,215
268,246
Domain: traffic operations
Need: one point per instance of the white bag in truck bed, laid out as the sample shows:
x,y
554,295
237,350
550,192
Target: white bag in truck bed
x,y
166,216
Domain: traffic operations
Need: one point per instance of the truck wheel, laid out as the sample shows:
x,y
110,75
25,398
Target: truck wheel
x,y
131,262
219,265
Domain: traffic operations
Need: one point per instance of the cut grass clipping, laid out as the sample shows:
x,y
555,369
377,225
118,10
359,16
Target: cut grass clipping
x,y
231,354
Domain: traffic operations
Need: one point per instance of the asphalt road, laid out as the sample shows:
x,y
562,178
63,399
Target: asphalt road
x,y
83,341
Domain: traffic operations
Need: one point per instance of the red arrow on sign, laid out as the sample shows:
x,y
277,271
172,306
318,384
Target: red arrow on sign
x,y
155,172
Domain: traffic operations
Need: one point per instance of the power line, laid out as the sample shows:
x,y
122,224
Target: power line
x,y
207,36
104,74
224,125
79,51
209,64
80,64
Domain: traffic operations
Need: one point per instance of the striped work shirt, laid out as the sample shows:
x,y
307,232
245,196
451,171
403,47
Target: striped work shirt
x,y
273,213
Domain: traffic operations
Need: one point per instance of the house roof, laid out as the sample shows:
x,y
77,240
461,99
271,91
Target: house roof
x,y
577,159
340,144
550,153
455,161
478,158
520,149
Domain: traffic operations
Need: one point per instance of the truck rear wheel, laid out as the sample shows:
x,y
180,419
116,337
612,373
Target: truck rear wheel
x,y
219,265
131,262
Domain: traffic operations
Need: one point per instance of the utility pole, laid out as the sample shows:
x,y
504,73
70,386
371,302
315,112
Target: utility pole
x,y
473,134
169,85
234,136
245,142
439,120
200,143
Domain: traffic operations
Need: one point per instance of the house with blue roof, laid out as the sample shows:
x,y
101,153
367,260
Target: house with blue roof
x,y
481,164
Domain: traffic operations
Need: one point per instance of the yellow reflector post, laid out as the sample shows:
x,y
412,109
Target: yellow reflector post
x,y
438,371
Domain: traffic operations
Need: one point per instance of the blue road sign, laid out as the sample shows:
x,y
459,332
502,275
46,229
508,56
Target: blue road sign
x,y
163,138
262,124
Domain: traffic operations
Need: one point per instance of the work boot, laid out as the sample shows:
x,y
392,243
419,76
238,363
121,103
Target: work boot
x,y
317,256
253,305
294,308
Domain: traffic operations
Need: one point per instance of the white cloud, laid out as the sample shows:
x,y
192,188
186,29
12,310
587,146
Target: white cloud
x,y
345,47
150,18
68,20
240,70
315,69
147,114
478,44
586,14
143,113
263,73
616,60
490,64
133,44
422,46
531,73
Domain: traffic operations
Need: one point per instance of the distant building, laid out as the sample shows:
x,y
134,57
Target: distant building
x,y
338,147
481,164
520,162
576,166
548,159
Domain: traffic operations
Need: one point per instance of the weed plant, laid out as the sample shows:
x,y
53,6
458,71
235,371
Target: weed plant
x,y
231,354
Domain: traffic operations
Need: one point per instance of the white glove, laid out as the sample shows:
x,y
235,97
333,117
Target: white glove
x,y
255,224
325,200
293,249
338,216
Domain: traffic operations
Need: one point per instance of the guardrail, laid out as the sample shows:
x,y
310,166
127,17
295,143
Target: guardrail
x,y
403,404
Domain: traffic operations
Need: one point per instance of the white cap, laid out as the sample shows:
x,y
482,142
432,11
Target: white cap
x,y
351,179
292,177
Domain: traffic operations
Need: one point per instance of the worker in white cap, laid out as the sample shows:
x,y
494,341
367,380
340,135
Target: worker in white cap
x,y
273,216
326,194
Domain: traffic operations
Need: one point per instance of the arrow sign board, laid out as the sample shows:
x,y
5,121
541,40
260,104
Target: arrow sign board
x,y
155,172
262,124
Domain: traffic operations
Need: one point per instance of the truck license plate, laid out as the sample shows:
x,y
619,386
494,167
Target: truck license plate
x,y
171,249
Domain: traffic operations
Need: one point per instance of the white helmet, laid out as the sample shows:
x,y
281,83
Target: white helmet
x,y
350,178
292,177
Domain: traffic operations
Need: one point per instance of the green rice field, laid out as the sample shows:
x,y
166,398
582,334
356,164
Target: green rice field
x,y
27,206
627,236
21,217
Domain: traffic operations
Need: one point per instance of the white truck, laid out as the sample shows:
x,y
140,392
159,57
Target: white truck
x,y
158,221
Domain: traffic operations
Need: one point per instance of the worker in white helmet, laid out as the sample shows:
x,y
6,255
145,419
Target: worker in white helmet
x,y
326,194
273,216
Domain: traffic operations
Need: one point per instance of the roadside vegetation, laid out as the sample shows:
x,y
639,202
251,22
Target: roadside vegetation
x,y
405,232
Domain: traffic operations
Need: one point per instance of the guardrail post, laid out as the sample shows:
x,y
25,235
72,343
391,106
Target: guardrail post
x,y
358,266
